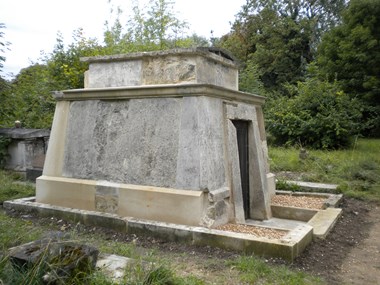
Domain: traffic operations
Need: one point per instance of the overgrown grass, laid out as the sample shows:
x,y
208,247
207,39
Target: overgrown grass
x,y
13,186
152,265
355,170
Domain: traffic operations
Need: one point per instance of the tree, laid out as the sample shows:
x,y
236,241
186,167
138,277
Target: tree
x,y
280,36
350,54
319,115
65,70
153,28
30,98
3,46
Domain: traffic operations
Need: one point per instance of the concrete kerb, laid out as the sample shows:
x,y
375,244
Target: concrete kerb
x,y
288,247
314,187
322,220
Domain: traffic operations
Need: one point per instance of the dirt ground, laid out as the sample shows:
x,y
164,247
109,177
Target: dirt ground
x,y
349,255
351,252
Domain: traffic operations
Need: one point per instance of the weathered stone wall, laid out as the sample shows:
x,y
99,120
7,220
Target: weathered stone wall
x,y
163,142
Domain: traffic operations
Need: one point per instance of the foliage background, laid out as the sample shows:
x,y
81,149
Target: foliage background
x,y
317,62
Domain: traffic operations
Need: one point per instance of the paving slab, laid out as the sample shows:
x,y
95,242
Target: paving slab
x,y
324,221
281,224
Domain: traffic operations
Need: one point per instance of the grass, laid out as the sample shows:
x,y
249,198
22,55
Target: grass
x,y
355,170
257,271
154,265
13,186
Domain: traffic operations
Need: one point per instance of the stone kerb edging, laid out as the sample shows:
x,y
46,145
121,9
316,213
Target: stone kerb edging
x,y
288,247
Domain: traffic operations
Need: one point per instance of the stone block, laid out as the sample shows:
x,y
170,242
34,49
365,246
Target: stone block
x,y
179,66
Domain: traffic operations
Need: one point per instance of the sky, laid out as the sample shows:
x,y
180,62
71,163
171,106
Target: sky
x,y
32,25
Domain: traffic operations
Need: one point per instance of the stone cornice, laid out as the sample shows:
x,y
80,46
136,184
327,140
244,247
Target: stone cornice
x,y
217,55
157,91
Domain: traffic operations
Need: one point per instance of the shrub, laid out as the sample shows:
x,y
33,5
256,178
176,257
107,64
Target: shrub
x,y
319,115
4,142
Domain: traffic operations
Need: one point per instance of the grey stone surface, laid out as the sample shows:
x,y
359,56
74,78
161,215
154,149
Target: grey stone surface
x,y
134,142
312,186
127,73
169,69
23,153
259,195
211,140
188,160
114,266
237,196
21,133
179,66
219,194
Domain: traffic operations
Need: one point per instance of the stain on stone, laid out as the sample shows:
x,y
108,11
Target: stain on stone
x,y
107,199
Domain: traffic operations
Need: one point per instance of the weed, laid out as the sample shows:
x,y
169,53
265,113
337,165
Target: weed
x,y
281,184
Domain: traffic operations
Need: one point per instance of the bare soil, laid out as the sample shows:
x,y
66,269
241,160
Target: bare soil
x,y
349,255
351,252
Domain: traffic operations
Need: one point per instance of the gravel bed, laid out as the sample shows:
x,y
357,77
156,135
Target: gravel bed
x,y
299,201
253,230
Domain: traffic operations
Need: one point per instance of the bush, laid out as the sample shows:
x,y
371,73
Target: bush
x,y
4,142
319,115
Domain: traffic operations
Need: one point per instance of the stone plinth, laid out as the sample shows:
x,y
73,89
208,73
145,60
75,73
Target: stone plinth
x,y
163,150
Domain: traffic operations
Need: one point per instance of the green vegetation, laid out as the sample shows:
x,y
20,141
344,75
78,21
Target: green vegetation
x,y
293,52
256,271
318,115
315,61
152,265
4,142
12,187
355,170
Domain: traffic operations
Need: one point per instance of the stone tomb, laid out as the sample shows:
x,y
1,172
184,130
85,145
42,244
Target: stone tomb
x,y
163,136
26,150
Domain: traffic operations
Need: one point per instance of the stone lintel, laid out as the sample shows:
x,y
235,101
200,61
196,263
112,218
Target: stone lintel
x,y
156,91
24,134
